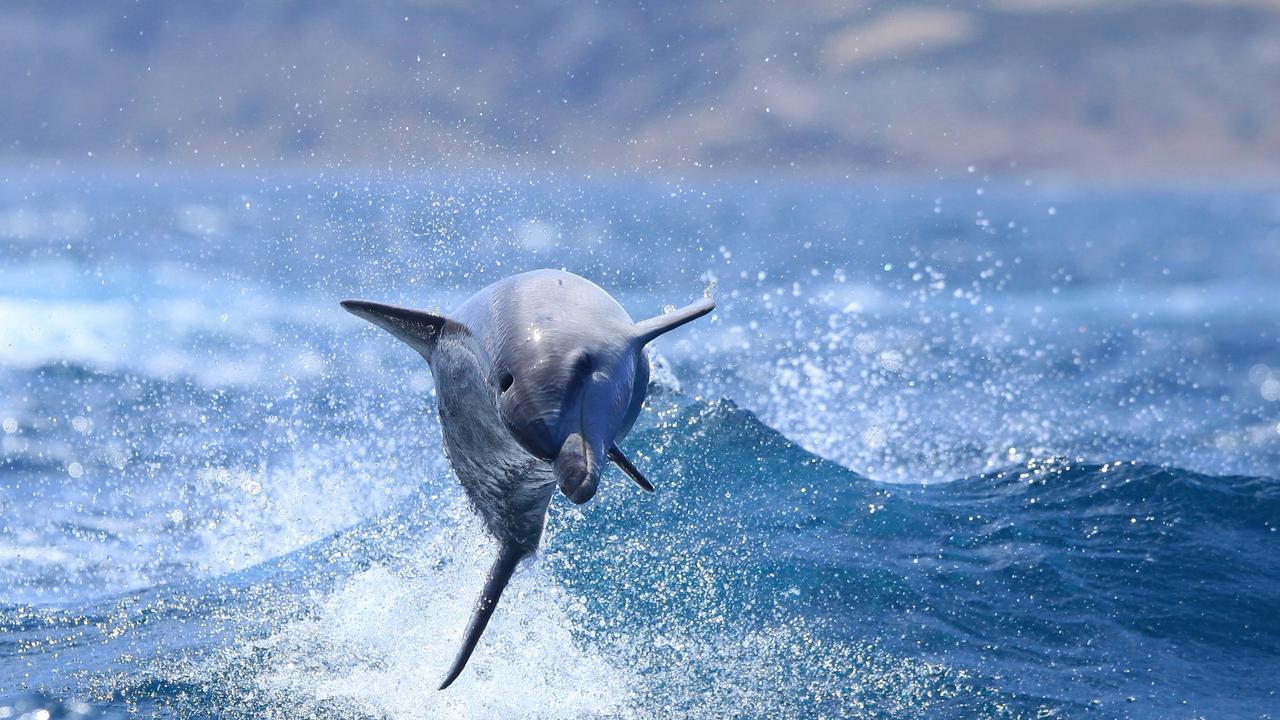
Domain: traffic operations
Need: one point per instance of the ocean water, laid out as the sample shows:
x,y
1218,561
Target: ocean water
x,y
969,448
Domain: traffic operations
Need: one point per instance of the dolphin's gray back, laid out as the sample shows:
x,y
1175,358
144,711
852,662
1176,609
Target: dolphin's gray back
x,y
508,488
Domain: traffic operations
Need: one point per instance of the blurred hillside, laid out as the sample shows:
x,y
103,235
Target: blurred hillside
x,y
1092,88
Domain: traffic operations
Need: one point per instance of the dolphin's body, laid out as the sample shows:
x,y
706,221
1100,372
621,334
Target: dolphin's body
x,y
538,377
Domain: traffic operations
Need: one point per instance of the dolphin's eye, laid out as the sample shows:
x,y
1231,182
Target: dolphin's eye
x,y
504,383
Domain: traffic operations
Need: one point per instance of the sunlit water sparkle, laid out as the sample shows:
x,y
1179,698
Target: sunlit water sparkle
x,y
937,454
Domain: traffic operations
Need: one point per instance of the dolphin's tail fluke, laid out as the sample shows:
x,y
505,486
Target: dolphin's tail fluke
x,y
647,330
509,555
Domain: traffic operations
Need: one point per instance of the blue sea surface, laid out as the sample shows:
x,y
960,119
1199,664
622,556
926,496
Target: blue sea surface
x,y
946,449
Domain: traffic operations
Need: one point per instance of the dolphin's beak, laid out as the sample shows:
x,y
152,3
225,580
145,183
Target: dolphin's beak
x,y
582,454
577,468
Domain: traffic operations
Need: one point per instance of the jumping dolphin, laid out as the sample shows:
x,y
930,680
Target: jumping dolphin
x,y
538,376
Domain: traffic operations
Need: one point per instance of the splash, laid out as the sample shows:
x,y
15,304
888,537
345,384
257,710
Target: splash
x,y
379,644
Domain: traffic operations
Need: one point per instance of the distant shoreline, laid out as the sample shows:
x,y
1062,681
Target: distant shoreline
x,y
1124,92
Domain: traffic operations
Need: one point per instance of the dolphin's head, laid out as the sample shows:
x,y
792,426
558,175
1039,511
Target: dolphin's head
x,y
573,397
572,405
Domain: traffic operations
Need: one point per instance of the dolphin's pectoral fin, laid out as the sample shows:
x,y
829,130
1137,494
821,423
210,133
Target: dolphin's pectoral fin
x,y
417,328
647,330
623,463
509,556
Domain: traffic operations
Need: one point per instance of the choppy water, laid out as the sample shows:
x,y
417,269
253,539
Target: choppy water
x,y
962,449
